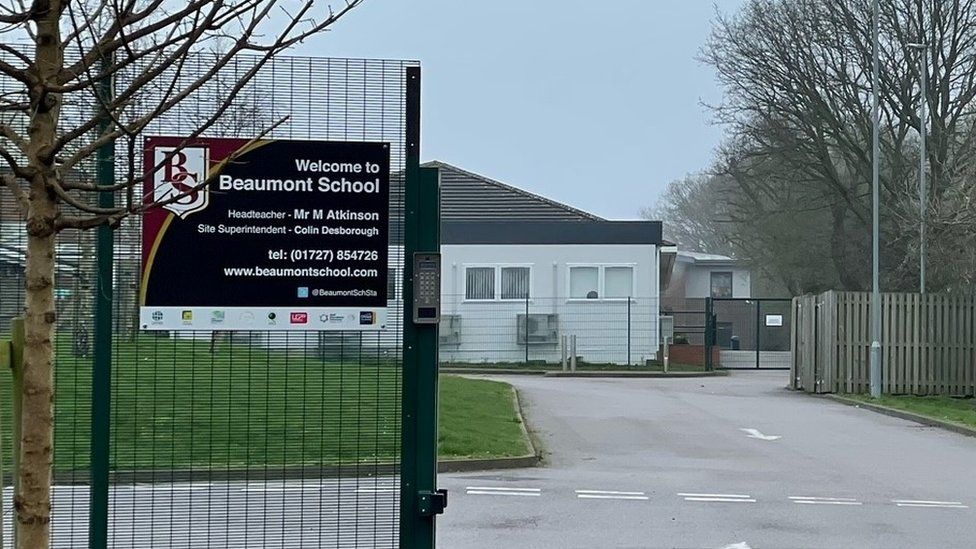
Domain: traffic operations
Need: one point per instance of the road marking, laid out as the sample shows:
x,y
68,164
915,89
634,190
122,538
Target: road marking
x,y
696,495
929,503
500,493
813,502
723,500
740,545
173,487
503,489
717,498
610,494
817,500
277,489
754,433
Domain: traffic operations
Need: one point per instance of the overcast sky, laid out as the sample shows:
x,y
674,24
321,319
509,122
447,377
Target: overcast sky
x,y
595,104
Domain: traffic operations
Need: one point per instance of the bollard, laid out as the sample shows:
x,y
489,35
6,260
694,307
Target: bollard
x,y
562,348
667,354
572,353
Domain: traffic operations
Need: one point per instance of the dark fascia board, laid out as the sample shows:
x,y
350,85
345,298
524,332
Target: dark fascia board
x,y
551,232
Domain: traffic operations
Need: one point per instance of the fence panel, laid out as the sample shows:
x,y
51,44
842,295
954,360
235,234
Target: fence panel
x,y
928,343
613,332
232,439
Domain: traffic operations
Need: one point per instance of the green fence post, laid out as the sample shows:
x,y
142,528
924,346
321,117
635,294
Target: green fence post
x,y
709,339
101,395
420,500
17,335
5,352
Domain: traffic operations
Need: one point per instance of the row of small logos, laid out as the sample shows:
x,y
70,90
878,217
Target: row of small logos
x,y
272,318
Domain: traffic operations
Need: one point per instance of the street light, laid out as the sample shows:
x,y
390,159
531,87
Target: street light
x,y
922,194
875,370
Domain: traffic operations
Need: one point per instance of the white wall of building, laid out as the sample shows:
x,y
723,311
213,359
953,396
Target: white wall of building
x,y
698,280
489,333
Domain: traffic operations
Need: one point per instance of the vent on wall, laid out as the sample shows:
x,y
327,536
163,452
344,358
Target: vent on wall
x,y
450,330
537,329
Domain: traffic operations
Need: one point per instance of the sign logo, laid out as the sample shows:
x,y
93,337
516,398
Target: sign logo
x,y
367,318
246,317
272,319
187,316
217,317
157,317
299,318
303,291
177,179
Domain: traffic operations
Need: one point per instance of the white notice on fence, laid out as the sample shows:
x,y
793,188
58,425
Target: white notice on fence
x,y
774,320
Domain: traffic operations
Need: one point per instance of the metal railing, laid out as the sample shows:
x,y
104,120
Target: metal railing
x,y
531,331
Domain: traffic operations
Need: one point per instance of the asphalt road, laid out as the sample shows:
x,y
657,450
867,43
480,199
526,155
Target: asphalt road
x,y
693,463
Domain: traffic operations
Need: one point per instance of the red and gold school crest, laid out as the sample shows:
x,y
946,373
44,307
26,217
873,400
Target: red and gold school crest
x,y
180,174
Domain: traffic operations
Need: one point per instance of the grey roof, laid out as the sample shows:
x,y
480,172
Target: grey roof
x,y
699,258
550,232
467,196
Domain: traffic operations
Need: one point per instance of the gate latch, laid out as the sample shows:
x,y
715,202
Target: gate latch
x,y
432,503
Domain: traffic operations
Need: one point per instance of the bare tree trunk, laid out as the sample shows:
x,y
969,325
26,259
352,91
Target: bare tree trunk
x,y
36,451
33,498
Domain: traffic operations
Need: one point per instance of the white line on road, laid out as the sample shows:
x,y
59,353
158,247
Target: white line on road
x,y
754,433
500,493
929,504
610,492
928,501
817,498
611,496
696,495
939,505
172,487
740,545
503,489
817,502
722,500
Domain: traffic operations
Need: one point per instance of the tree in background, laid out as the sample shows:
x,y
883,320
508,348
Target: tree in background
x,y
93,74
797,79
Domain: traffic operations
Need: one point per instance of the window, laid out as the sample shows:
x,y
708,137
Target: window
x,y
584,282
601,282
515,282
618,282
493,283
479,283
721,284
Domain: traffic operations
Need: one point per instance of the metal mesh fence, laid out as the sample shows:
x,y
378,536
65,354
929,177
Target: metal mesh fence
x,y
752,333
538,331
220,439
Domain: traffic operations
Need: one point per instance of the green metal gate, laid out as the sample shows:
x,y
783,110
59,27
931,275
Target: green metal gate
x,y
246,439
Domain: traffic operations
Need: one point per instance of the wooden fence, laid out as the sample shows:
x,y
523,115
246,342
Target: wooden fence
x,y
928,343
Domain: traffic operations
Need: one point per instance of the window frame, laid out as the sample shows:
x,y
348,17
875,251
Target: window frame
x,y
711,287
497,298
601,282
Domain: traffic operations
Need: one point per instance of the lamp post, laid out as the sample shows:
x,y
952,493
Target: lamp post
x,y
923,70
875,366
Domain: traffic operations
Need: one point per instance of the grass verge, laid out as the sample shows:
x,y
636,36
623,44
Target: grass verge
x,y
961,411
479,419
175,406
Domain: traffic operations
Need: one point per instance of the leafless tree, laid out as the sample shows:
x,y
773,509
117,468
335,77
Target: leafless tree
x,y
797,81
116,67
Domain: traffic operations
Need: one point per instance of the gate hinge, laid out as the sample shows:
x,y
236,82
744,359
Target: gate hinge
x,y
432,503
